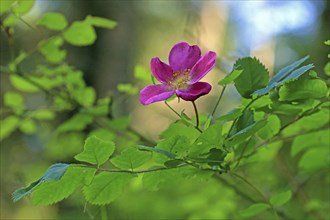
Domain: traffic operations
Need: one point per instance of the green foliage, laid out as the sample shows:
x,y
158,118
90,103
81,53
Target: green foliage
x,y
130,158
53,21
54,172
254,76
80,33
127,88
96,151
281,198
106,187
100,22
230,77
254,209
51,49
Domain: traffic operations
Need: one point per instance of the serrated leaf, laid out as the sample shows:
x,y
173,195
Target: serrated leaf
x,y
106,187
50,49
53,21
96,151
254,209
243,134
54,191
154,180
8,126
230,77
303,88
281,198
181,129
178,145
130,158
80,33
54,172
100,22
78,122
285,75
254,76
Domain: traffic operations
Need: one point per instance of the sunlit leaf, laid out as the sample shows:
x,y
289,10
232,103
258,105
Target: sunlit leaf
x,y
178,145
23,6
53,21
8,125
54,191
28,126
127,88
271,128
100,22
314,159
106,187
230,77
96,151
142,74
51,49
77,123
130,158
304,88
80,34
43,114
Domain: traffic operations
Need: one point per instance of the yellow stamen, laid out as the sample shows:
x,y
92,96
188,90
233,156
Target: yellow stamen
x,y
179,79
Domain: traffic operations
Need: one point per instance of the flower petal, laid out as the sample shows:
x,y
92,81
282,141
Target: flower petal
x,y
194,91
183,56
202,67
155,93
160,70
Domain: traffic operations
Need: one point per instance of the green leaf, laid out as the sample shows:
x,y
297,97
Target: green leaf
x,y
54,172
178,145
23,7
43,114
254,76
159,151
80,34
85,96
6,5
311,122
100,22
96,151
210,138
230,77
304,141
53,21
314,159
327,42
154,180
106,187
303,88
8,126
27,126
10,20
281,198
286,74
21,84
77,123
54,191
50,49
130,158
231,115
271,128
127,88
142,74
243,134
254,209
15,101
181,129
327,69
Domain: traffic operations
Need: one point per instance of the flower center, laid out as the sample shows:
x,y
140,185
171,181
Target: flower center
x,y
179,79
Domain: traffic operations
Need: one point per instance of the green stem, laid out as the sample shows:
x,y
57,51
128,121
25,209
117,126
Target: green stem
x,y
197,118
218,101
104,214
172,109
245,108
257,191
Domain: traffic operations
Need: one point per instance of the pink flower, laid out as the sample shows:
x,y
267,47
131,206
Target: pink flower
x,y
181,77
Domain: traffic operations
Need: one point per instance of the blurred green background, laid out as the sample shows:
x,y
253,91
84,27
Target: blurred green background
x,y
277,32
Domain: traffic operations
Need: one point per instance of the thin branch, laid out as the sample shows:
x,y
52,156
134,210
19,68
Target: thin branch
x,y
197,117
218,101
172,109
